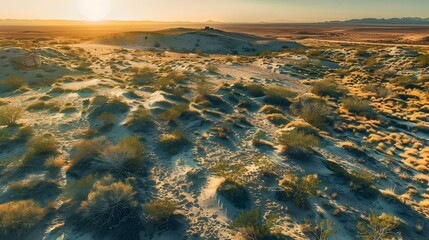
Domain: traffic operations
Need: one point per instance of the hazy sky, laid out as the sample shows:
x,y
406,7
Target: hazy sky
x,y
219,10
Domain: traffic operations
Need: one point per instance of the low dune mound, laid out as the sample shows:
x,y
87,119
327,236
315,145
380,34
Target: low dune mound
x,y
207,40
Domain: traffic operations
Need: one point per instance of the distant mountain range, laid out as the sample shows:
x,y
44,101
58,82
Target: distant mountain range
x,y
406,20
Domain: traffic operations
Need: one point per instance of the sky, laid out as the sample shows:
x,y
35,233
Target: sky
x,y
217,10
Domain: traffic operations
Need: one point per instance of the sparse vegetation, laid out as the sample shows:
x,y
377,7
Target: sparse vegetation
x,y
327,87
319,230
172,143
358,106
297,143
251,225
298,189
9,115
160,211
20,216
378,227
235,192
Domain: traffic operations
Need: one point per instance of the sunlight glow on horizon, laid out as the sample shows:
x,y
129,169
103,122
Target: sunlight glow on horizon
x,y
217,10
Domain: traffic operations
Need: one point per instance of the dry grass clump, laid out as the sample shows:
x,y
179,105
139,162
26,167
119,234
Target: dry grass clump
x,y
99,155
122,160
160,211
174,112
140,120
34,187
255,90
384,226
297,143
279,96
327,87
313,110
172,143
423,60
268,109
19,216
277,119
252,225
358,106
55,162
9,115
298,189
109,208
234,192
204,89
104,104
11,84
143,76
42,144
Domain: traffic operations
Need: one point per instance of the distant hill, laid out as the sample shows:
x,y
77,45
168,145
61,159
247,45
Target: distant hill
x,y
407,20
207,40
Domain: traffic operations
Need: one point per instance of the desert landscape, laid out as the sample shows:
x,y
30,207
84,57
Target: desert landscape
x,y
145,130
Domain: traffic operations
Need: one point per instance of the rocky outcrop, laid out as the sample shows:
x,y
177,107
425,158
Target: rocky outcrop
x,y
29,60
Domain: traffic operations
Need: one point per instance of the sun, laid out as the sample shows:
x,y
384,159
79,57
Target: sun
x,y
94,10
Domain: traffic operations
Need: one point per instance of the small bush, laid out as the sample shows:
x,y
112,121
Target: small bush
x,y
313,110
277,119
327,87
234,192
204,89
172,143
143,76
378,227
363,181
298,189
110,208
255,90
160,211
84,153
279,96
358,106
297,143
211,68
9,115
140,120
423,60
122,160
251,225
104,104
174,112
20,216
318,231
42,144
268,109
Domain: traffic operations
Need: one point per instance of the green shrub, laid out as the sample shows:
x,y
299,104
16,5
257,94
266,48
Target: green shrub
x,y
319,230
20,216
297,143
34,187
251,225
298,189
234,192
362,181
327,87
160,211
423,60
110,208
140,120
9,115
358,106
172,143
378,227
77,191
